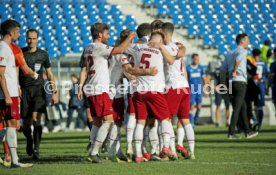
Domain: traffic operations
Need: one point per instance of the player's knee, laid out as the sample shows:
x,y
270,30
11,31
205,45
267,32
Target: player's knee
x,y
179,124
142,122
186,122
12,123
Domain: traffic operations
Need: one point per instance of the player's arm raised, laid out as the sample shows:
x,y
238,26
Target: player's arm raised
x,y
124,45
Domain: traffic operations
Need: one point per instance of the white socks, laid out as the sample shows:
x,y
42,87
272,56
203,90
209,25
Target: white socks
x,y
101,135
113,139
138,137
190,137
172,141
130,130
153,137
160,137
93,134
11,137
145,139
166,128
180,136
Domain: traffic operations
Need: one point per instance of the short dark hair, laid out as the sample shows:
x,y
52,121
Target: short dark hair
x,y
98,28
156,25
240,37
256,52
124,34
157,33
194,55
143,29
168,27
267,42
8,25
32,30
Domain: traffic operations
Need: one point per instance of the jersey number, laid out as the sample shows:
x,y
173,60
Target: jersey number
x,y
144,63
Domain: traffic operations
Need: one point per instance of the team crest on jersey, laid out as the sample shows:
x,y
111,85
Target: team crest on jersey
x,y
107,47
1,58
37,66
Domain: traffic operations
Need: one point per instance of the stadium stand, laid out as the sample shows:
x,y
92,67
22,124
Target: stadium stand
x,y
217,22
64,24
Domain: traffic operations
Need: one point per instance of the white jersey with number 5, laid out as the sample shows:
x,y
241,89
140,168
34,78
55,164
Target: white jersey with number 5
x,y
175,73
146,57
98,80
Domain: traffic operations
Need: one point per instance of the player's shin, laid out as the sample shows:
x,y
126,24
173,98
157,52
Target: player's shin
x,y
12,142
101,135
153,137
113,139
138,137
130,130
190,137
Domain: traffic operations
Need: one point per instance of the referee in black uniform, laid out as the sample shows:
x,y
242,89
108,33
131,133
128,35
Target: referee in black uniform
x,y
33,92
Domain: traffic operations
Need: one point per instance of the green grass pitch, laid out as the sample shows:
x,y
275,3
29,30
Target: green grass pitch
x,y
64,154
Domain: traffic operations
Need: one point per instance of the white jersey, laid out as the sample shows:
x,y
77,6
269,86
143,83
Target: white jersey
x,y
116,75
129,60
175,73
98,80
146,57
7,60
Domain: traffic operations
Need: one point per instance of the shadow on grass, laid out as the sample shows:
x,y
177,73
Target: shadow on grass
x,y
54,159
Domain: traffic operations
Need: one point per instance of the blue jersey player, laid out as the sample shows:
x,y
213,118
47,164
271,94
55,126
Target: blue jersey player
x,y
260,80
196,77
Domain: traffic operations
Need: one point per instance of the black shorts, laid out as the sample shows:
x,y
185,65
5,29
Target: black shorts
x,y
225,97
33,100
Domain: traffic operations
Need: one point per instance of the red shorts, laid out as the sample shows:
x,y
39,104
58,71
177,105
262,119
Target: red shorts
x,y
12,111
130,106
149,103
100,105
118,107
179,102
2,125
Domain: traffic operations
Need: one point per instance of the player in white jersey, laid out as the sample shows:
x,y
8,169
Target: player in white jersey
x,y
143,32
178,97
116,78
97,83
148,95
9,96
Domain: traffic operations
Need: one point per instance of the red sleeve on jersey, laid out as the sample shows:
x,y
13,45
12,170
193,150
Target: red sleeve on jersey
x,y
18,55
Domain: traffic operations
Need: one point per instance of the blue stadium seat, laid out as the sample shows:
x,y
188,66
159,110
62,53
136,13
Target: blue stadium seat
x,y
114,10
147,2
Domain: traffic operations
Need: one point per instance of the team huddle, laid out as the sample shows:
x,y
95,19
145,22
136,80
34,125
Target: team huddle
x,y
158,89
